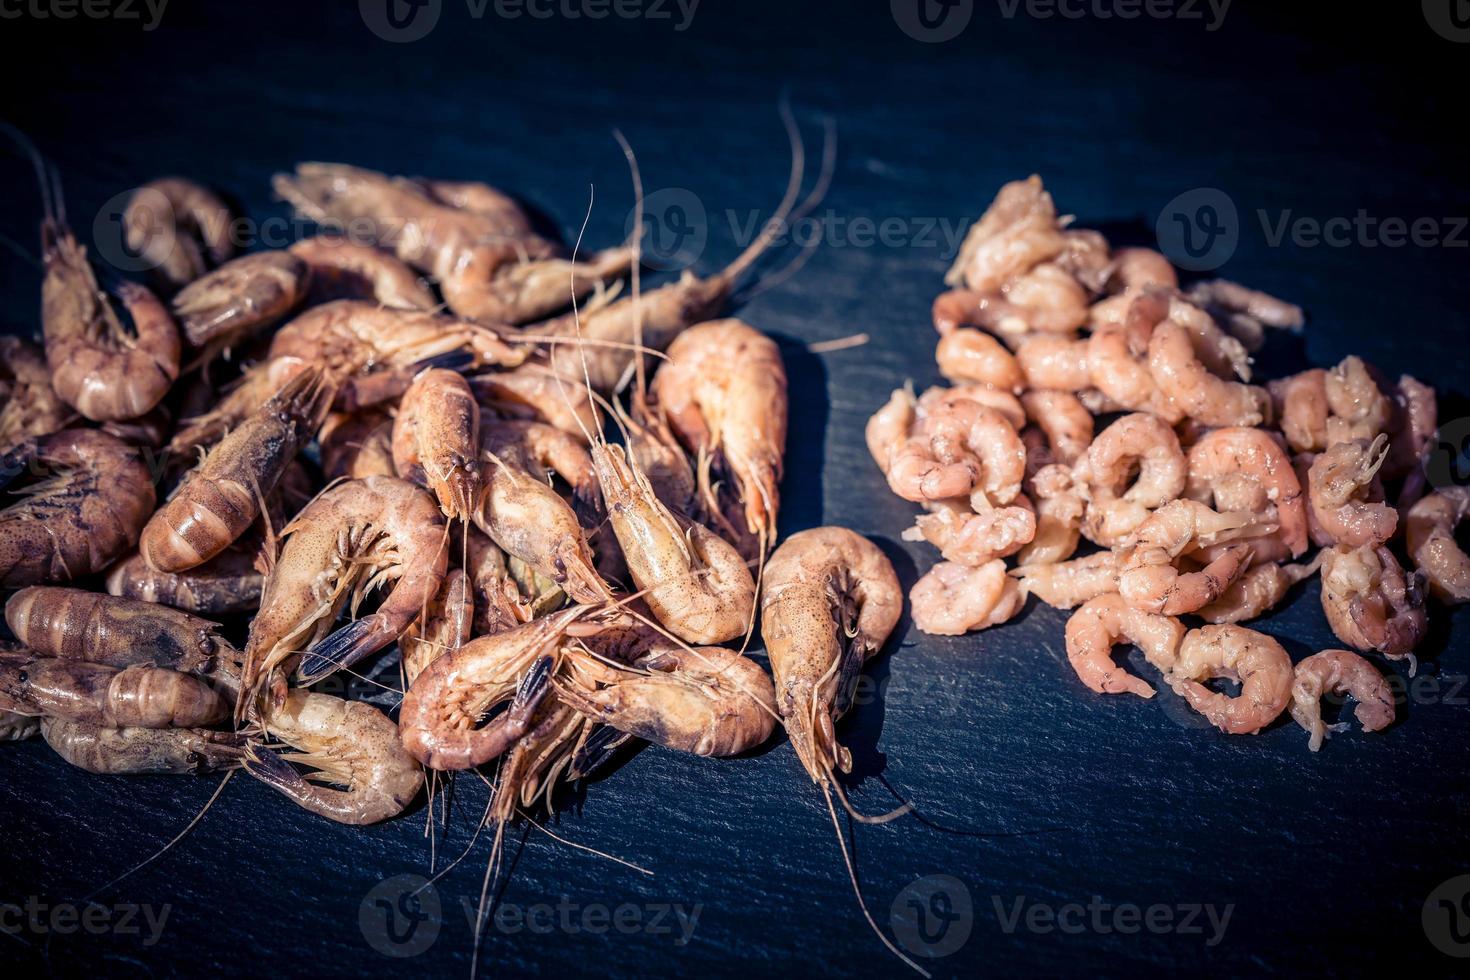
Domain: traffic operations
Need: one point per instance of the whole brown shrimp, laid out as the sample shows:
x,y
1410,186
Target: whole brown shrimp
x,y
695,582
831,599
1429,530
445,625
353,537
207,424
112,751
1100,624
705,700
530,520
1370,603
951,599
374,352
1257,458
499,603
344,269
73,624
533,392
236,301
1149,578
88,508
543,450
723,392
442,709
1068,584
219,500
1339,672
137,696
1342,488
345,743
436,441
227,583
32,409
179,227
490,265
1256,661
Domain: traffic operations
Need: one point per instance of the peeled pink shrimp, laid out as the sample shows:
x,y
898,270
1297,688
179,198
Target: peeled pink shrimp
x,y
890,427
1255,660
952,599
1360,409
974,539
1117,355
1177,364
1370,603
1065,420
1067,584
969,435
1253,454
1259,590
1236,301
1300,404
940,399
1019,230
1093,630
1059,508
1429,530
1419,409
1139,268
1114,508
1048,299
972,355
1339,672
1341,486
1149,579
1056,362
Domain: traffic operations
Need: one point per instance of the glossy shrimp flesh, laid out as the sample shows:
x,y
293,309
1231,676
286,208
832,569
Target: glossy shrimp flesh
x,y
1430,535
1150,578
952,599
1254,660
1103,622
1339,672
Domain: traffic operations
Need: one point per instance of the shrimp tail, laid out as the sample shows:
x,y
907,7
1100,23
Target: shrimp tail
x,y
596,751
341,649
274,771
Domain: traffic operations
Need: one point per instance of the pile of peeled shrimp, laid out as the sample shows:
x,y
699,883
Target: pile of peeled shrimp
x,y
1093,398
395,436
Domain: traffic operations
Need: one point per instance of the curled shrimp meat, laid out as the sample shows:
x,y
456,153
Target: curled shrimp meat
x,y
1150,579
1055,362
975,356
1177,365
1059,510
1429,530
1019,230
1068,584
1300,406
1250,456
1254,660
1259,589
975,539
359,771
1339,672
952,599
1100,624
1371,603
1341,486
1065,420
1360,409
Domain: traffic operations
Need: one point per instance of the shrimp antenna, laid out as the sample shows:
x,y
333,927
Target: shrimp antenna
x,y
577,315
778,220
583,847
858,891
814,198
38,161
160,852
637,253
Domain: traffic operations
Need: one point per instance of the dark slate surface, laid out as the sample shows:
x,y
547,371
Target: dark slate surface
x,y
1033,790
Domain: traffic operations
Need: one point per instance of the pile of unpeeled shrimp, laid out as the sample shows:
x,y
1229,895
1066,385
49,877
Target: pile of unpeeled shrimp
x,y
1094,398
326,442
